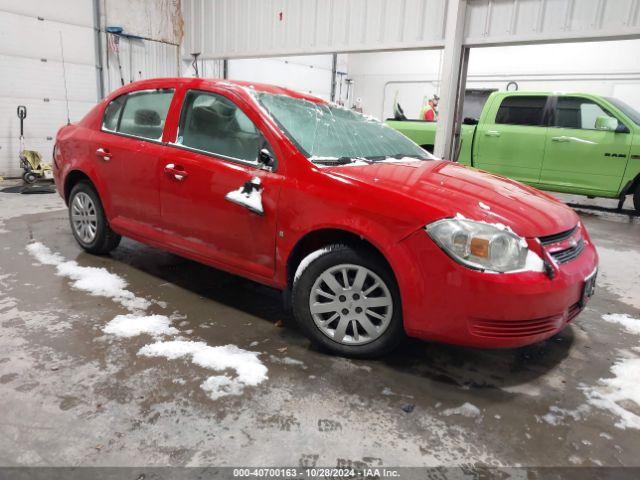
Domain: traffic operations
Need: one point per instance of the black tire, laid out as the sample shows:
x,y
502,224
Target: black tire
x,y
636,199
302,290
29,177
105,239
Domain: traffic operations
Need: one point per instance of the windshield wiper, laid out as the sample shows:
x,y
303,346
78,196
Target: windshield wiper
x,y
338,160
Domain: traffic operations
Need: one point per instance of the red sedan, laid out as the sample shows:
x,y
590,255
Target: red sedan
x,y
369,236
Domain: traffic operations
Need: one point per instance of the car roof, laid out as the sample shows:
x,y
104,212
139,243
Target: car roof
x,y
233,85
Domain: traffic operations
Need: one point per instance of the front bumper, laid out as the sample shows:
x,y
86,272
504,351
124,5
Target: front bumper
x,y
448,302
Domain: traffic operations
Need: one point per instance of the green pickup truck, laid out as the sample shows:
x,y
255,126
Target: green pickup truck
x,y
572,143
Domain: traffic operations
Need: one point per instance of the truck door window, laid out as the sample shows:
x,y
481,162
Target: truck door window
x,y
212,123
522,110
577,113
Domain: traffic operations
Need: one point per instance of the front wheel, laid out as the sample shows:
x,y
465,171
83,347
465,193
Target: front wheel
x,y
636,199
347,301
89,223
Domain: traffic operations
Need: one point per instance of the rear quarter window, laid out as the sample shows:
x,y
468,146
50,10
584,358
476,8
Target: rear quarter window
x,y
112,114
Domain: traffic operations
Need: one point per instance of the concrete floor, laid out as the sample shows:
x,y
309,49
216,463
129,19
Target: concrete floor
x,y
72,395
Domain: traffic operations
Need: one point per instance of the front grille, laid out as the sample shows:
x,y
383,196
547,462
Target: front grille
x,y
558,237
515,328
568,254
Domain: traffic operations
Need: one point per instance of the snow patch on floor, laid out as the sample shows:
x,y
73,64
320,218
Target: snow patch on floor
x,y
93,280
466,410
619,393
523,389
631,325
133,325
220,386
557,415
250,371
287,361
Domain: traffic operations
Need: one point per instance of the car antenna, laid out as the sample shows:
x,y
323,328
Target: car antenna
x,y
64,79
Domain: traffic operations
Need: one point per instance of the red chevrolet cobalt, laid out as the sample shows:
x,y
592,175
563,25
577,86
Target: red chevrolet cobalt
x,y
368,235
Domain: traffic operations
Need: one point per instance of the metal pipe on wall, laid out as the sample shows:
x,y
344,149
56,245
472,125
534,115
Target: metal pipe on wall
x,y
98,49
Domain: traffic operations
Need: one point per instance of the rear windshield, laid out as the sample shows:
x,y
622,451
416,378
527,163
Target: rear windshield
x,y
331,134
629,111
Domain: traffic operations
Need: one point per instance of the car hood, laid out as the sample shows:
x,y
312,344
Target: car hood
x,y
446,189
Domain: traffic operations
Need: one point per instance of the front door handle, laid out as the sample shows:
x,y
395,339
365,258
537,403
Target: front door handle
x,y
560,139
176,172
492,133
104,154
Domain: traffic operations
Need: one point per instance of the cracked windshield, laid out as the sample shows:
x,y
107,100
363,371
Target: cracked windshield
x,y
332,135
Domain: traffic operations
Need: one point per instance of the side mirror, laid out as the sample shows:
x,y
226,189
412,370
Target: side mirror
x,y
470,121
266,159
622,128
606,123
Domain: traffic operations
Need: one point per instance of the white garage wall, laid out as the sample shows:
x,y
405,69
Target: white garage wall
x,y
31,62
606,68
31,72
309,74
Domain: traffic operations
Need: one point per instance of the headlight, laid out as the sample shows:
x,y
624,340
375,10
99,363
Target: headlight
x,y
479,245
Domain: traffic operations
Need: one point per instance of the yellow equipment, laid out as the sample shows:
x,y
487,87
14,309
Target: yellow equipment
x,y
33,166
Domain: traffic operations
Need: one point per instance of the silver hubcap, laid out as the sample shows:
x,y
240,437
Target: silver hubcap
x,y
84,218
350,304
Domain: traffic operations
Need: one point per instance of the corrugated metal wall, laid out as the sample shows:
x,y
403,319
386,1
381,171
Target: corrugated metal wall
x,y
492,22
140,59
254,28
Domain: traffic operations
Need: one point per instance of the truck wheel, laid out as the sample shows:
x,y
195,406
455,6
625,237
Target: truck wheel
x,y
636,199
88,222
348,302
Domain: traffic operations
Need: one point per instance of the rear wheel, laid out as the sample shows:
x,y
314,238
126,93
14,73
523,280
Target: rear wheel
x,y
636,198
347,302
89,224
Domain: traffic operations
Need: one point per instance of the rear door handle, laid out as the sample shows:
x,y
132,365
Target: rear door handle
x,y
176,172
104,154
560,139
492,133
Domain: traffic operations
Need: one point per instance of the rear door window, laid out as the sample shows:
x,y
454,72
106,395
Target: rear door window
x,y
522,110
140,114
214,124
